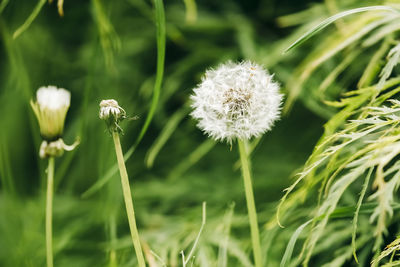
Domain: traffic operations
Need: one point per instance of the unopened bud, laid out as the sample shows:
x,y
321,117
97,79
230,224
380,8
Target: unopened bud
x,y
112,114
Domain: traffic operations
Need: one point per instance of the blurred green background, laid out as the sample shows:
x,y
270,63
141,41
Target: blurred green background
x,y
108,49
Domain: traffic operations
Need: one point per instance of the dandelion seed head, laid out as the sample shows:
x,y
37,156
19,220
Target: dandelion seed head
x,y
236,100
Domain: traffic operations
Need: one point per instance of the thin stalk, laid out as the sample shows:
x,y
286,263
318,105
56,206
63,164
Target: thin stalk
x,y
49,213
251,207
113,237
128,200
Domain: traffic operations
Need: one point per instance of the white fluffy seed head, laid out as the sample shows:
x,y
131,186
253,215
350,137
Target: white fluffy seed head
x,y
51,107
236,101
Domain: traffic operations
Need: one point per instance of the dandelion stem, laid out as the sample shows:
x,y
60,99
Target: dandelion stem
x,y
251,208
49,212
128,200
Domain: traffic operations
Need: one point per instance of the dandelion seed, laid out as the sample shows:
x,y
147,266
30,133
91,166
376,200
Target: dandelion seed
x,y
236,101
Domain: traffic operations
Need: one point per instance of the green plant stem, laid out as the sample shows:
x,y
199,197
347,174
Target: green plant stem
x,y
49,212
251,207
128,200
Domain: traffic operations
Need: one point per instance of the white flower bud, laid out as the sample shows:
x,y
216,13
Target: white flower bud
x,y
236,101
112,114
51,107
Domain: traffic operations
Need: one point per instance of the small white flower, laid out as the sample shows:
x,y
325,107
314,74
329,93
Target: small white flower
x,y
112,114
109,108
51,108
236,101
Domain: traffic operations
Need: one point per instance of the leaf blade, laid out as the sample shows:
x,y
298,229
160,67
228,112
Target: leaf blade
x,y
334,18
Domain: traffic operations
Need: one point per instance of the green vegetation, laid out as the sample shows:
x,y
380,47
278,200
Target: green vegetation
x,y
335,148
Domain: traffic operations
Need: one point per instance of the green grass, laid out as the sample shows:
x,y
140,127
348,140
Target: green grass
x,y
336,147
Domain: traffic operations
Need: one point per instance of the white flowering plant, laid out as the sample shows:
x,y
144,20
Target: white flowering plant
x,y
236,101
51,107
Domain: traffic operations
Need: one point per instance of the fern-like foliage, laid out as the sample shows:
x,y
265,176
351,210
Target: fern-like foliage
x,y
364,31
355,163
391,249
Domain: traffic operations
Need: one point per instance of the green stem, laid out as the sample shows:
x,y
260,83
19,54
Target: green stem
x,y
49,212
251,207
113,239
128,200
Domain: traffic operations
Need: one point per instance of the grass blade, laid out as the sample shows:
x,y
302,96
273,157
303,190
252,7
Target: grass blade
x,y
109,39
30,19
355,220
191,10
289,249
160,23
196,241
165,134
223,246
334,18
191,159
3,5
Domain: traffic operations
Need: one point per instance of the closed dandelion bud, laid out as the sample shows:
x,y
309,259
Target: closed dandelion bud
x,y
112,114
236,101
51,108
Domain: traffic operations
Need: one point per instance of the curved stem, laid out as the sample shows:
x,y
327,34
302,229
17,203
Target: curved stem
x,y
49,212
128,200
251,207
